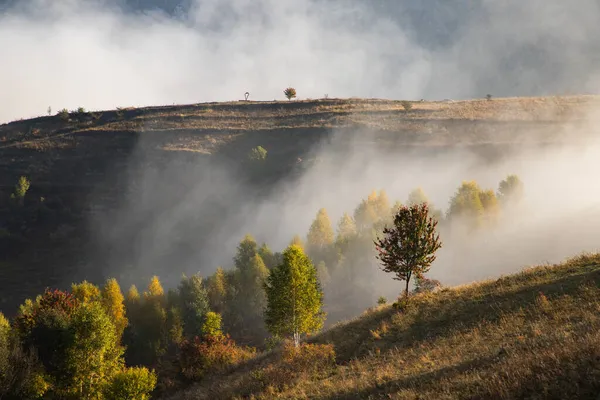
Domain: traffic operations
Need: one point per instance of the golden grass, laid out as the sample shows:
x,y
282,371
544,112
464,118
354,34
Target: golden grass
x,y
386,115
535,334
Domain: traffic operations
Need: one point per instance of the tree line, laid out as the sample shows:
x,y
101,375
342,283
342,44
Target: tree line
x,y
97,343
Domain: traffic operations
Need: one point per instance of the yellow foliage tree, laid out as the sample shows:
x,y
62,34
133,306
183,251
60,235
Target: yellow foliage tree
x,y
155,289
321,233
113,301
85,292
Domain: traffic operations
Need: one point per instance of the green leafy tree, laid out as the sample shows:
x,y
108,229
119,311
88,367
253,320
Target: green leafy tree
x,y
194,304
216,290
323,273
146,336
246,251
511,190
4,348
290,93
294,297
21,189
131,383
174,323
212,325
95,351
21,375
257,154
267,255
408,247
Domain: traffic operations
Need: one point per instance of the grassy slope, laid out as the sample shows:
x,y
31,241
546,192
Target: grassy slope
x,y
500,339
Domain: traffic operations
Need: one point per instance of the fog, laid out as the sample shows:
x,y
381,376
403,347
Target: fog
x,y
74,53
95,55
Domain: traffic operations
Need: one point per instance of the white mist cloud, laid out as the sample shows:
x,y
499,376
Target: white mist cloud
x,y
93,54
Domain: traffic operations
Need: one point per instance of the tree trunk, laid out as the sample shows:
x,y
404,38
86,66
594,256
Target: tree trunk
x,y
296,339
406,288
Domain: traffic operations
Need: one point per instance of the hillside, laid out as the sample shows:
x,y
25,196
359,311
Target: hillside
x,y
534,334
82,165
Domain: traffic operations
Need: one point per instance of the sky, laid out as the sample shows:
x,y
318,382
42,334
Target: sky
x,y
99,55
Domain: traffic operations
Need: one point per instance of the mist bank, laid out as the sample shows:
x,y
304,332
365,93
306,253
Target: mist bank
x,y
188,217
106,54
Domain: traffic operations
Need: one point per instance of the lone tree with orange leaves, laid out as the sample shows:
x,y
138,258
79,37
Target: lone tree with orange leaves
x,y
408,247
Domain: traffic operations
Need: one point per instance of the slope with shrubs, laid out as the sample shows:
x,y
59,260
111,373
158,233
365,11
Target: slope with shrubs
x,y
535,334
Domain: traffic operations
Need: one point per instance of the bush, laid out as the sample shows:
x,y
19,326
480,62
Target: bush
x,y
257,154
81,110
407,105
132,383
214,354
381,300
488,97
63,114
424,285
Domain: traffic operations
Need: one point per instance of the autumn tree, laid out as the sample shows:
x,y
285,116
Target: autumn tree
x,y
297,241
320,233
466,205
146,337
85,292
320,238
346,228
294,297
113,302
417,196
365,215
510,190
408,247
76,343
290,93
491,207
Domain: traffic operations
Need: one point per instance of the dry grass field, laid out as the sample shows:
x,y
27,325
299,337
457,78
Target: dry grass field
x,y
532,335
